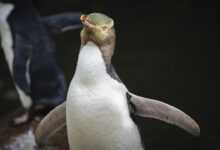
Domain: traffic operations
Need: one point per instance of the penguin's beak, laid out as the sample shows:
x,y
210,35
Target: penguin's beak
x,y
87,22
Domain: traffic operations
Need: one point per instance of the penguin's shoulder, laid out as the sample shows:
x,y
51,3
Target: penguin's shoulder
x,y
112,73
132,109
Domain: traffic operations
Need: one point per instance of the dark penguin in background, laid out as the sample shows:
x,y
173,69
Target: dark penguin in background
x,y
31,55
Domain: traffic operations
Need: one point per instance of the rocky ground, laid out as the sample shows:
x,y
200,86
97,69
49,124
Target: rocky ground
x,y
22,137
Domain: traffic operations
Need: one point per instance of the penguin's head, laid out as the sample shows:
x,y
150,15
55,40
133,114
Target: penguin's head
x,y
97,25
99,29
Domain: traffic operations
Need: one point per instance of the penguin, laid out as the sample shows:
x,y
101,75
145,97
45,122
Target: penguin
x,y
99,110
31,55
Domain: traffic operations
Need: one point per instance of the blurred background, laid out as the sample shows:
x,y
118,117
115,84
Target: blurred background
x,y
165,50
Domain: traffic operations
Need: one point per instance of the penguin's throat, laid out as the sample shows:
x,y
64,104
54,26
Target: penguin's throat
x,y
91,66
106,46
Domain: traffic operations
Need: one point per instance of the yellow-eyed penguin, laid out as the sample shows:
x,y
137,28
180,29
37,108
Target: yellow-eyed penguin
x,y
99,106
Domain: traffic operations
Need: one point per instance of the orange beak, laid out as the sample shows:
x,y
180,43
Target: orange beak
x,y
87,21
83,18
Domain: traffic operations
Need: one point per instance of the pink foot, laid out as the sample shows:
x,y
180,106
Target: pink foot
x,y
24,118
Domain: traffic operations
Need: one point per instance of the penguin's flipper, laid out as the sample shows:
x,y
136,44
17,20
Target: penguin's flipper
x,y
21,73
50,124
146,107
21,63
62,22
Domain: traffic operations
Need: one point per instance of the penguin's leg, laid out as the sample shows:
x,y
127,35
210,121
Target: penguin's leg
x,y
29,114
20,119
24,117
62,22
24,114
41,110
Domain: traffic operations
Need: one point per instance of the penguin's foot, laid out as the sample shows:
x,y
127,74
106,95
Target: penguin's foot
x,y
20,120
29,115
41,109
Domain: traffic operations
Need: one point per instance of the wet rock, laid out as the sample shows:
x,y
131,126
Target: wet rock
x,y
23,141
22,137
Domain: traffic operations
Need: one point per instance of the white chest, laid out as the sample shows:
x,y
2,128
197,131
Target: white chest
x,y
5,33
97,110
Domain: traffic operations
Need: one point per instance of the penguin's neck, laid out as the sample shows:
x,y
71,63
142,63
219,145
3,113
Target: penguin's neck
x,y
91,67
106,46
94,57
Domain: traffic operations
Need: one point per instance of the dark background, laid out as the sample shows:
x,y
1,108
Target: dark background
x,y
165,50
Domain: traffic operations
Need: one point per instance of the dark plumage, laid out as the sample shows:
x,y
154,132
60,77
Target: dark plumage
x,y
35,69
32,41
62,22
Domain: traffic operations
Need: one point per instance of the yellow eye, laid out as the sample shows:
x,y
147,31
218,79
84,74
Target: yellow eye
x,y
104,28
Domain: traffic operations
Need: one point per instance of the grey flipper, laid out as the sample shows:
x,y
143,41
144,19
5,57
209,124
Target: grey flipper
x,y
50,124
146,107
62,22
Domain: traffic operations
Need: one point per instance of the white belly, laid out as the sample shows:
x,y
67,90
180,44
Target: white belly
x,y
98,116
99,120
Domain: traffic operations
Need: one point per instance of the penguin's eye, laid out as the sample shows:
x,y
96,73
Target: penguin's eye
x,y
104,28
